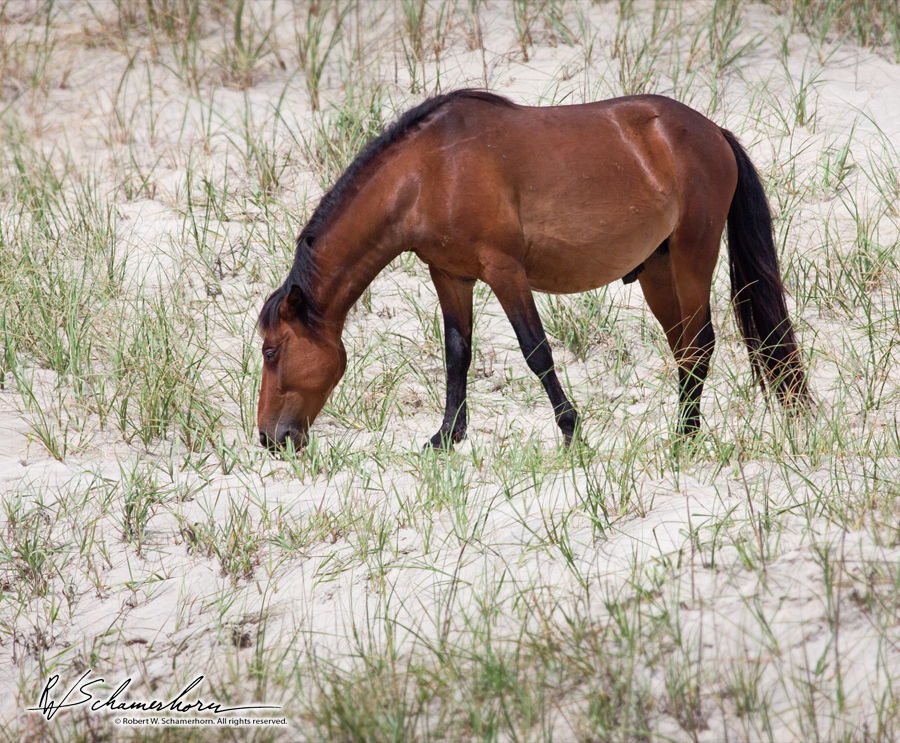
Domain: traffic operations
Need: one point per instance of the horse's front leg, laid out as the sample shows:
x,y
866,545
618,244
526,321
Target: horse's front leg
x,y
510,285
455,295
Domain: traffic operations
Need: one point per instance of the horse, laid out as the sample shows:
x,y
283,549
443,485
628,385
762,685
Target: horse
x,y
556,199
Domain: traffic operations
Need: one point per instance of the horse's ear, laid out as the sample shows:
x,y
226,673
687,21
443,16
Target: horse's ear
x,y
292,305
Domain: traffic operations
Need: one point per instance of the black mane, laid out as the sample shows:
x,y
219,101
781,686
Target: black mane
x,y
303,273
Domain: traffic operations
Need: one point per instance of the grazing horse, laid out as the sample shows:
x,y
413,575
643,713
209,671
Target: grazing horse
x,y
559,199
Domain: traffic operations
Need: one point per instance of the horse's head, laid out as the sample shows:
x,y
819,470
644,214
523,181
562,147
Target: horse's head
x,y
300,369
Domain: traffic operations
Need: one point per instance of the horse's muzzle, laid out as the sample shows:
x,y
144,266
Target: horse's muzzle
x,y
298,439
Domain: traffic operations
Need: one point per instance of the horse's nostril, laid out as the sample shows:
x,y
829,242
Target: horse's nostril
x,y
299,439
266,442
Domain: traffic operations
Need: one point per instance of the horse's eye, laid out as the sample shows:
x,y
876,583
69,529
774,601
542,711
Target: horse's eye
x,y
269,352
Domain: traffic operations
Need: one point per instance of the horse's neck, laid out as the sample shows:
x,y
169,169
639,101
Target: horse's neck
x,y
349,260
368,233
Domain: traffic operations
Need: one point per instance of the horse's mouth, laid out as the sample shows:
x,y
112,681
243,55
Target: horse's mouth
x,y
285,439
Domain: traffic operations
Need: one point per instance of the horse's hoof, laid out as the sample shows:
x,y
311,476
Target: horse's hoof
x,y
444,440
438,443
573,437
689,431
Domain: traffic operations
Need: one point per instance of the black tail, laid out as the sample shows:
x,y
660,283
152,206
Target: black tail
x,y
756,289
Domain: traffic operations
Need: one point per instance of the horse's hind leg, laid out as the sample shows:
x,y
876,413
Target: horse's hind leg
x,y
510,285
455,295
693,367
678,296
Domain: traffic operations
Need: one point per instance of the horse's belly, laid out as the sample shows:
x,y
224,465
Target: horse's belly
x,y
566,273
568,264
583,233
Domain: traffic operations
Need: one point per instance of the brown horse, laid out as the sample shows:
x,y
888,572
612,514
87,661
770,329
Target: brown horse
x,y
558,199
